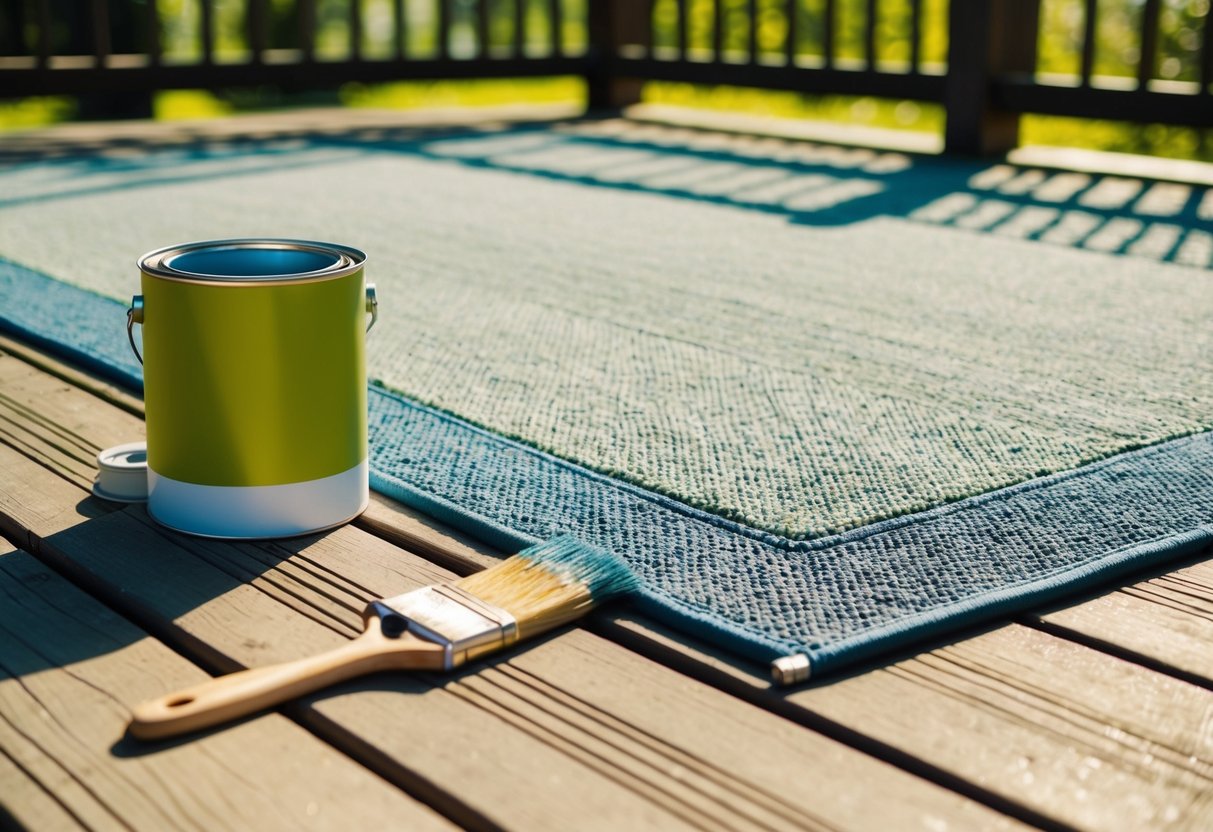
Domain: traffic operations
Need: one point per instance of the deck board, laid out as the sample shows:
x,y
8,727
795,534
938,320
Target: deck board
x,y
575,732
70,670
1166,621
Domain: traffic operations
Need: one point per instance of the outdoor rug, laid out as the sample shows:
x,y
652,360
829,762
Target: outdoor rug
x,y
825,401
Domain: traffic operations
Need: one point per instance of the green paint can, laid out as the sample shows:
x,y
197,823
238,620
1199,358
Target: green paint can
x,y
254,369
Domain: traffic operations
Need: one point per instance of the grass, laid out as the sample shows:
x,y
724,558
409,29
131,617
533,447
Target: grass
x,y
35,112
1152,139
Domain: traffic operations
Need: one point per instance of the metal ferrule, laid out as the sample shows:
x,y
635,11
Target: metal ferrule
x,y
791,670
464,625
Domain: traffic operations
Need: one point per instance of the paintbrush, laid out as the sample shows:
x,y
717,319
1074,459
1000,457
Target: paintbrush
x,y
436,628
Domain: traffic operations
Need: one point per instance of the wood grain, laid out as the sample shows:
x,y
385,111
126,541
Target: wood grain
x,y
1166,621
26,803
484,757
1104,743
981,756
70,671
978,731
490,746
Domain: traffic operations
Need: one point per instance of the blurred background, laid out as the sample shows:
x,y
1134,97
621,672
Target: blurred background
x,y
84,59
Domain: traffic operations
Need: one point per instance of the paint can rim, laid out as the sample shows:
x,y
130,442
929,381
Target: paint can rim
x,y
345,260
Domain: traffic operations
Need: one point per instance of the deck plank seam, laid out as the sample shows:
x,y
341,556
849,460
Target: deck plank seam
x,y
1159,592
585,756
72,464
1089,730
707,769
82,442
37,781
321,572
83,446
31,452
263,582
1124,653
7,821
414,783
47,755
776,702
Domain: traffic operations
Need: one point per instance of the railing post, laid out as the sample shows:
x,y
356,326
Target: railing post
x,y
613,24
986,39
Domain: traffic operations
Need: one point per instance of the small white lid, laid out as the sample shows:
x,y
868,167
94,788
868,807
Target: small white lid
x,y
122,473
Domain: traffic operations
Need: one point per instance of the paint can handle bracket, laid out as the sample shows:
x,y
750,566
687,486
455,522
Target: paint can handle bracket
x,y
372,305
134,315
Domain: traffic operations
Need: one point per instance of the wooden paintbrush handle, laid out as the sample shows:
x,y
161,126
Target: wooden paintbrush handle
x,y
239,694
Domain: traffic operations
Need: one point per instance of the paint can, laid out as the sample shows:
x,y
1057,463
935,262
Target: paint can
x,y
254,368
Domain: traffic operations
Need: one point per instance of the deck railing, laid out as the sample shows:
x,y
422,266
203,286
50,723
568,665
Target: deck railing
x,y
977,58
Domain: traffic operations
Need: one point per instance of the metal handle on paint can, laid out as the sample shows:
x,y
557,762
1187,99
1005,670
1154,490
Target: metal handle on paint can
x,y
134,315
372,305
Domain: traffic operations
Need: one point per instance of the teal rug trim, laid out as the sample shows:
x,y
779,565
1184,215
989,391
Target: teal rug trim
x,y
839,599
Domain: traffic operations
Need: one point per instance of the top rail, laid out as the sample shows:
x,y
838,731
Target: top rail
x,y
988,72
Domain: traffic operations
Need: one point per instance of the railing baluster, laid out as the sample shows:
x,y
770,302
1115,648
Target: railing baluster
x,y
1206,53
482,28
1149,43
399,30
1088,42
444,28
256,30
206,23
752,30
101,32
44,33
307,29
520,7
556,16
152,21
869,34
718,30
355,11
827,33
646,27
915,36
790,35
682,29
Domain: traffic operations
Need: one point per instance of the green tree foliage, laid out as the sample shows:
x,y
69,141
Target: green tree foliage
x,y
1117,50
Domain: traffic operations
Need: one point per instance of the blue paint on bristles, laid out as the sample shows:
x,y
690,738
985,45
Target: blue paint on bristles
x,y
604,574
551,583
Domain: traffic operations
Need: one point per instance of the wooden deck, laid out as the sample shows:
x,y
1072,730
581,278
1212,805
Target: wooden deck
x,y
1098,715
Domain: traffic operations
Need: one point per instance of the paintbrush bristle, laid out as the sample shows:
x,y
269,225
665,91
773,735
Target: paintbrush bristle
x,y
551,583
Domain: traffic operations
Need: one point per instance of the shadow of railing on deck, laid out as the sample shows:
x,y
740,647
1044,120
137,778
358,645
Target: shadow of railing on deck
x,y
809,183
827,185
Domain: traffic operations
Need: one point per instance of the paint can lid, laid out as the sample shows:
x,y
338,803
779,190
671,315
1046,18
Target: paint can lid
x,y
122,473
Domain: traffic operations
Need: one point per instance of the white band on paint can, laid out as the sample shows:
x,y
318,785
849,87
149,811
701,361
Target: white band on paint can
x,y
262,511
